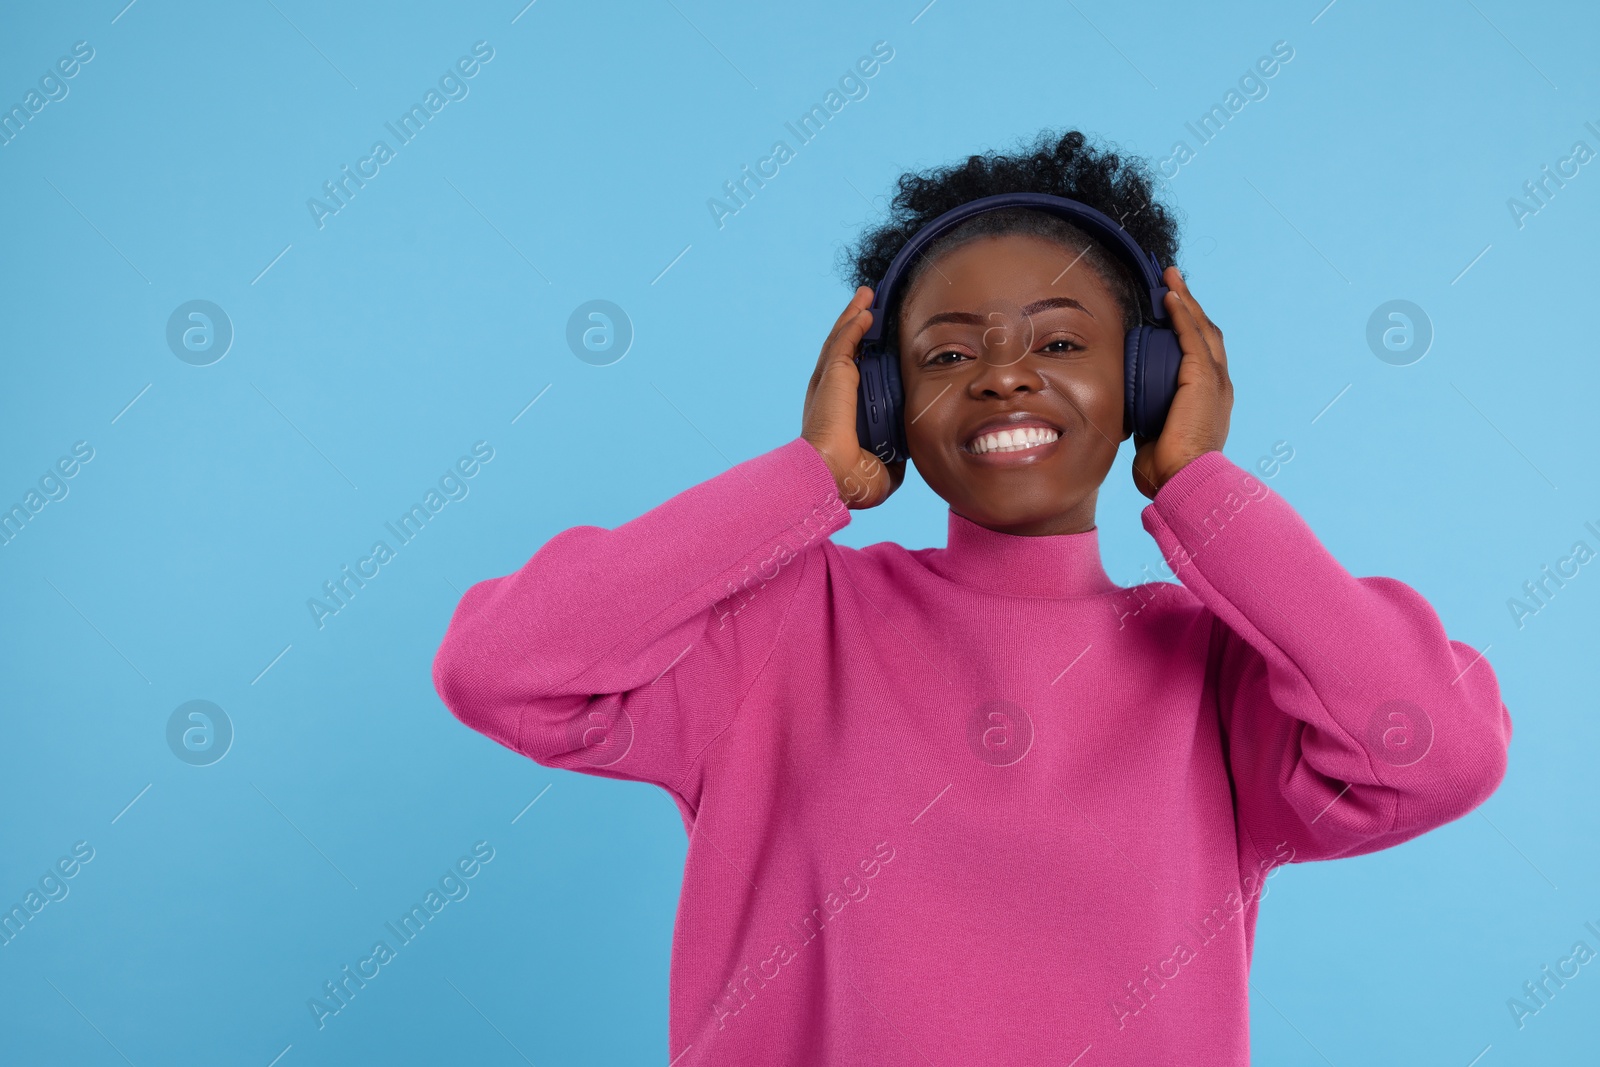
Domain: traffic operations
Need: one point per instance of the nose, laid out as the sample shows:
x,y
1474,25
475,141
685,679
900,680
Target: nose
x,y
1004,367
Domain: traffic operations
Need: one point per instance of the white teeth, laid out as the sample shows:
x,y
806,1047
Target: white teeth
x,y
1013,440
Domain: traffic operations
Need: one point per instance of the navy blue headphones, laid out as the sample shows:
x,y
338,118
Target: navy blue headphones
x,y
1150,353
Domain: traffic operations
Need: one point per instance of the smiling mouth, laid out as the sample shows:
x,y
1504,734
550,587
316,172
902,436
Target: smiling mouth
x,y
1023,439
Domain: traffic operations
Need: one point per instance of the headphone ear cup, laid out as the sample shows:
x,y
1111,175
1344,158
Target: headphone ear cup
x,y
895,390
880,403
1130,375
1150,359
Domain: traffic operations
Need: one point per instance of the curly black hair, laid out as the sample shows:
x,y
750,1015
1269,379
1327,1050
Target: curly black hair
x,y
1065,165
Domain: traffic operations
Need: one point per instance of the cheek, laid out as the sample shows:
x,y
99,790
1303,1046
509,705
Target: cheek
x,y
1096,392
930,412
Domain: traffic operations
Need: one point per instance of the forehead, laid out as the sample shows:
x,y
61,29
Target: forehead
x,y
1005,268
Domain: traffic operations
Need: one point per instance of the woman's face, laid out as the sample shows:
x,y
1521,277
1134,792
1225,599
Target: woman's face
x,y
1010,331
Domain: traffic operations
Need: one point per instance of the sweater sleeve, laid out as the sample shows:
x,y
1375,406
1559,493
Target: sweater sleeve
x,y
623,653
1351,722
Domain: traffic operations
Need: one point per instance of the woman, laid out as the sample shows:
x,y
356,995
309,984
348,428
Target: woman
x,y
979,804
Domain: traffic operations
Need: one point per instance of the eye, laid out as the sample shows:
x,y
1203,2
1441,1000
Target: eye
x,y
1061,344
935,359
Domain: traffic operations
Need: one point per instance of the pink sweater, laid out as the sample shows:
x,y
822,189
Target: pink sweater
x,y
977,804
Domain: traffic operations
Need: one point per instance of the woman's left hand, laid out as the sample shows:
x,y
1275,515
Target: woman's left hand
x,y
1197,422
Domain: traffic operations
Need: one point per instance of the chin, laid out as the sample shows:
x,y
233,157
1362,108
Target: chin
x,y
1022,507
1016,494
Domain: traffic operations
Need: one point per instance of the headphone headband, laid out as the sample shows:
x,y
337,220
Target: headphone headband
x,y
1096,223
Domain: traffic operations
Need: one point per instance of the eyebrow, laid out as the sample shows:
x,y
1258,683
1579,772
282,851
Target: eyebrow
x,y
971,319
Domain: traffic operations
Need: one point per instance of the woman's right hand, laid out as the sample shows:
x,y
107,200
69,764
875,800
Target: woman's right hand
x,y
829,418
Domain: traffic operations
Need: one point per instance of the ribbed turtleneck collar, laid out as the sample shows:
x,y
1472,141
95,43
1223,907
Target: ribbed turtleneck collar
x,y
1052,566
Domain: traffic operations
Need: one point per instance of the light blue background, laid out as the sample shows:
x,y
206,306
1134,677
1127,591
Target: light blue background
x,y
429,312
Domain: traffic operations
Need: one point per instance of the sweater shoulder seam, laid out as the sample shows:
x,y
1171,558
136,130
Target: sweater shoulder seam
x,y
1218,643
738,708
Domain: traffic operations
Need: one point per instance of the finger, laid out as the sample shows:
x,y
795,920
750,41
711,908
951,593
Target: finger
x,y
1212,331
841,343
831,403
1191,338
848,340
1181,284
1203,385
862,298
837,373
